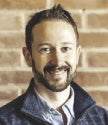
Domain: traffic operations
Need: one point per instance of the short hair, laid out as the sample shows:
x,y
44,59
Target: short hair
x,y
56,12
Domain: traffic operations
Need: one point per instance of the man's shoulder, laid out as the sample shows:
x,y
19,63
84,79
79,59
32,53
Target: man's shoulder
x,y
14,105
101,110
11,106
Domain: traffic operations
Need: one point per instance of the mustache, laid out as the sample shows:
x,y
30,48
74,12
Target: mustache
x,y
53,68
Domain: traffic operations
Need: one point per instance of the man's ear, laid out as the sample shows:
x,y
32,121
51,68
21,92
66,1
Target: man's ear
x,y
27,56
78,53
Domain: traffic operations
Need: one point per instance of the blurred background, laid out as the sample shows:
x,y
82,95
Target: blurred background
x,y
92,21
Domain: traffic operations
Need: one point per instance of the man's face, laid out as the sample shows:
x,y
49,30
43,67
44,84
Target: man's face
x,y
54,54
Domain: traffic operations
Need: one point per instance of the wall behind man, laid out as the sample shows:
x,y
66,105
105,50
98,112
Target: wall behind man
x,y
92,20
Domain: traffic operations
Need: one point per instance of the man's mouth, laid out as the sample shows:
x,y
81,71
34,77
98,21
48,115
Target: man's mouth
x,y
56,70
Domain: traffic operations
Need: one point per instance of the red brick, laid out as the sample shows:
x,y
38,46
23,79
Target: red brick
x,y
23,4
97,21
8,94
10,21
101,97
83,4
9,59
97,59
78,19
92,78
15,40
88,40
17,77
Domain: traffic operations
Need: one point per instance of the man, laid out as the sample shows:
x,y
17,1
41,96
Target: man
x,y
53,98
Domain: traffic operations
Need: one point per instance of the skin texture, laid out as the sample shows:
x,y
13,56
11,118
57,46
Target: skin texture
x,y
54,60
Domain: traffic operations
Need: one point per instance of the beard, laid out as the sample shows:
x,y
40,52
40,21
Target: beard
x,y
39,77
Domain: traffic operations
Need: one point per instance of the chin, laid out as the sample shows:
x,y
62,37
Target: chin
x,y
57,86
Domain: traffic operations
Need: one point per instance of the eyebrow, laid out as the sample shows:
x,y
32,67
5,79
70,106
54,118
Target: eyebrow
x,y
44,44
67,43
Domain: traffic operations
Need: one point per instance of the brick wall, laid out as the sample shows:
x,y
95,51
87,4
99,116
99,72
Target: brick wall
x,y
92,20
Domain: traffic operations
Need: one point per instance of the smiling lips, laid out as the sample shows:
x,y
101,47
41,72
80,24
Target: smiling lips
x,y
56,72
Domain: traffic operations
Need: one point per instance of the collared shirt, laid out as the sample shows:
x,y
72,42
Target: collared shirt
x,y
49,114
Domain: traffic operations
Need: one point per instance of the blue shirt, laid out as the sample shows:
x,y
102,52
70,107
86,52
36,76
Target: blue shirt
x,y
49,114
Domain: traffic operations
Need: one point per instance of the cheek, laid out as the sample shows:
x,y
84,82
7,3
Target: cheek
x,y
40,63
71,58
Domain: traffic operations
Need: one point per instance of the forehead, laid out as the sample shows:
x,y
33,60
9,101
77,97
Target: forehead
x,y
53,31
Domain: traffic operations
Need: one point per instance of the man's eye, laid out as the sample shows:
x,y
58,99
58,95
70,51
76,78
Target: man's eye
x,y
66,49
45,50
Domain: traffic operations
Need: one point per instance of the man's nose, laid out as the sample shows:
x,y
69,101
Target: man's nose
x,y
57,59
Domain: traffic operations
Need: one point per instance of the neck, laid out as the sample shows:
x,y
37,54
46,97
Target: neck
x,y
55,99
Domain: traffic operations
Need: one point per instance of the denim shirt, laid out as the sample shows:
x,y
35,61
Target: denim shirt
x,y
49,114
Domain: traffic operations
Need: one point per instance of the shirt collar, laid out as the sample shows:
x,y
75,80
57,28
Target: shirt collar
x,y
70,103
46,107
